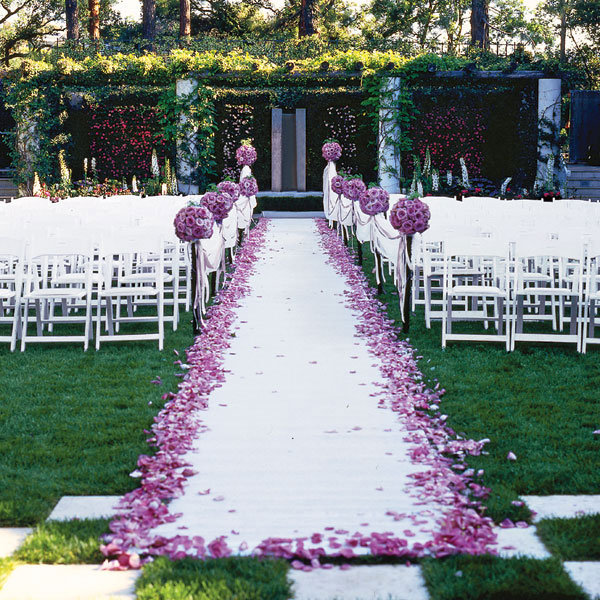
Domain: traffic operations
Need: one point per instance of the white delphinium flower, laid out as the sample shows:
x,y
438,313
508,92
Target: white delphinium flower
x,y
174,184
435,180
419,189
464,173
37,188
65,174
85,168
134,186
504,186
413,185
427,163
93,167
154,168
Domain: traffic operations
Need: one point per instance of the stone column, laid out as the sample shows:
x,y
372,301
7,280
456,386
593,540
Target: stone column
x,y
301,149
28,146
549,100
388,155
186,137
276,148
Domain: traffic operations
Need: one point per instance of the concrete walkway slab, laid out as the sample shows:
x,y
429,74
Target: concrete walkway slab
x,y
586,575
520,542
68,582
360,583
567,507
11,539
84,507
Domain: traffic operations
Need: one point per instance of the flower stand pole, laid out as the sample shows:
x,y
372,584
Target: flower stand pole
x,y
408,286
196,290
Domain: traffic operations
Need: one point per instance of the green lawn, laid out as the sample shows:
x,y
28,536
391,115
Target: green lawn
x,y
214,579
572,539
72,423
540,402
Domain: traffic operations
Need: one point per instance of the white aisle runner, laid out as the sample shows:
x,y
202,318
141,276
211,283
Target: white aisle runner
x,y
296,444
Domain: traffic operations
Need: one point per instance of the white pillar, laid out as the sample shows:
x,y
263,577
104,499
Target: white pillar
x,y
186,139
389,132
549,101
276,148
301,149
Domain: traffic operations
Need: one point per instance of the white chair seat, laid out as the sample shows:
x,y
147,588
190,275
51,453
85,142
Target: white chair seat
x,y
145,277
6,294
541,291
71,278
477,290
48,293
142,290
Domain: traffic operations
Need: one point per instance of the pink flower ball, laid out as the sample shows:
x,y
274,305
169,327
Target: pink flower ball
x,y
231,188
374,201
410,216
248,187
331,151
193,223
337,184
354,188
246,155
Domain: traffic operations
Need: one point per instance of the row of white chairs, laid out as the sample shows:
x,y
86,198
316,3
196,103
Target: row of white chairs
x,y
536,285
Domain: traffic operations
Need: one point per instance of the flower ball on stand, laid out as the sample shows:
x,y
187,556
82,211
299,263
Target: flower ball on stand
x,y
248,187
219,204
354,188
331,151
408,216
194,223
337,184
246,154
374,201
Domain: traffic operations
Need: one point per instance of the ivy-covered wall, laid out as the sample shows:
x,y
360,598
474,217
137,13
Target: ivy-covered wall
x,y
99,104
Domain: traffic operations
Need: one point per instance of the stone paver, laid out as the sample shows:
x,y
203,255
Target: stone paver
x,y
548,507
360,583
11,538
84,507
520,542
587,575
68,582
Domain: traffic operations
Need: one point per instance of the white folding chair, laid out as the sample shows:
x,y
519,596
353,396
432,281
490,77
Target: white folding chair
x,y
547,278
591,301
476,289
119,257
12,264
48,261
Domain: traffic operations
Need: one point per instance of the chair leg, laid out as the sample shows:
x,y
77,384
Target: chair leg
x,y
25,319
427,290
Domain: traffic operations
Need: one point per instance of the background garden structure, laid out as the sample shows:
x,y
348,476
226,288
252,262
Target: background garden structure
x,y
492,124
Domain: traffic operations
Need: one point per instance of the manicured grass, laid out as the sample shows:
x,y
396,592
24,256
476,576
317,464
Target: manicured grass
x,y
64,543
6,566
221,579
493,578
73,423
540,402
572,539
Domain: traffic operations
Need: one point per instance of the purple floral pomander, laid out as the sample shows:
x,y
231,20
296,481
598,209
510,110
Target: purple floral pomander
x,y
337,184
194,223
246,155
374,201
354,188
248,187
331,151
410,216
229,187
219,204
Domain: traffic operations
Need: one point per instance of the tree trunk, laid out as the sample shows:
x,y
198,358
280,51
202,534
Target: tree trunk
x,y
72,17
480,32
94,25
185,18
307,18
563,33
148,19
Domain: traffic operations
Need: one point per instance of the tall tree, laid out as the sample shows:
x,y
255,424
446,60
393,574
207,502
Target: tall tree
x,y
480,31
308,9
149,19
72,19
27,22
94,22
185,18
